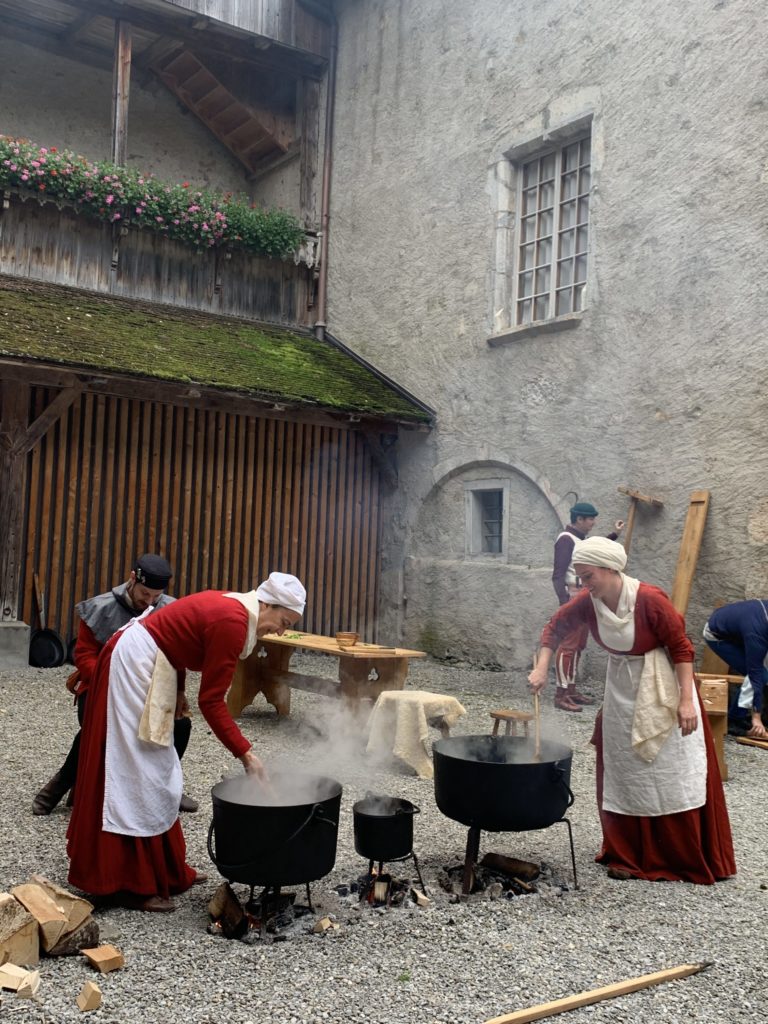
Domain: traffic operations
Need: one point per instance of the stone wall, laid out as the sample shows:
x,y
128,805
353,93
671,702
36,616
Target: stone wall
x,y
661,383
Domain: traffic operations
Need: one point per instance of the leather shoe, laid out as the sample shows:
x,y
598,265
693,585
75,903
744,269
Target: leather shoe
x,y
188,804
149,904
564,702
49,795
580,698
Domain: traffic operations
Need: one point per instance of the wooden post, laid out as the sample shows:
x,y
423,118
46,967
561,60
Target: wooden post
x,y
14,406
16,441
121,85
693,531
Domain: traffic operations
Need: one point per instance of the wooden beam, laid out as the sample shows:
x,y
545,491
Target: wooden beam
x,y
51,414
50,42
308,129
596,995
121,88
271,163
690,545
186,395
231,42
75,27
14,407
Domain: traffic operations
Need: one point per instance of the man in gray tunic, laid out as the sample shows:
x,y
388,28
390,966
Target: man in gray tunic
x,y
100,617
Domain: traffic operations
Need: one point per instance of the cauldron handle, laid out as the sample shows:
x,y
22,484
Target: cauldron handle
x,y
225,869
414,810
560,773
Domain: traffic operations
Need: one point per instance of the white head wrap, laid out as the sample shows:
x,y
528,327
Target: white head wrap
x,y
607,554
283,589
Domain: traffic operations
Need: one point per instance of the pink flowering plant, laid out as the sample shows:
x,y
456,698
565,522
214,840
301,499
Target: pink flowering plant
x,y
203,219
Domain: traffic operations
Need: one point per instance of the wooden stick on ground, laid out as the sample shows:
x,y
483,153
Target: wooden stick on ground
x,y
749,742
596,995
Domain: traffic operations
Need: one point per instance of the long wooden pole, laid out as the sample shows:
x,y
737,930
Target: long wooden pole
x,y
121,86
596,995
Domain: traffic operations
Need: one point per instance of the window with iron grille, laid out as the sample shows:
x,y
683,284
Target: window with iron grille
x,y
552,232
486,509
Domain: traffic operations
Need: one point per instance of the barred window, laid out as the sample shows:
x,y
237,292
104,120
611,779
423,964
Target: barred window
x,y
553,232
486,512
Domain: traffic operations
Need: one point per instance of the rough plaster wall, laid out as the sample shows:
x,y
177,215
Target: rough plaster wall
x,y
662,385
58,102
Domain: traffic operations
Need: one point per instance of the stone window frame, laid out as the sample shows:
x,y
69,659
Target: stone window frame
x,y
508,192
473,523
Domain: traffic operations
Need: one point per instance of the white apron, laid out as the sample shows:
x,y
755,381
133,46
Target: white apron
x,y
142,781
676,780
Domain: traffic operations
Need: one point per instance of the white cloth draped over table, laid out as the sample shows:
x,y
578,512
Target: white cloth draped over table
x,y
399,725
650,767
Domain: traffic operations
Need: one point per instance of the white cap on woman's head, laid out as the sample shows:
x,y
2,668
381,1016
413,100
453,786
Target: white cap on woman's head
x,y
283,589
600,551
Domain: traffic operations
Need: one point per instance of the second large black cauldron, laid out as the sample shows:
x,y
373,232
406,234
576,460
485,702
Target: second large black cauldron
x,y
494,783
281,834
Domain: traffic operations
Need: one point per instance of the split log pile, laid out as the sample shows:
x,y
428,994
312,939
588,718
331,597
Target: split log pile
x,y
44,916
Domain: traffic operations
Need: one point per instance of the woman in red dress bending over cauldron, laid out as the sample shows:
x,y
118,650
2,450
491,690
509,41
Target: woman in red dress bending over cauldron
x,y
659,793
124,837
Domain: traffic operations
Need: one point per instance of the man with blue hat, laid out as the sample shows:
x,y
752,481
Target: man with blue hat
x,y
567,656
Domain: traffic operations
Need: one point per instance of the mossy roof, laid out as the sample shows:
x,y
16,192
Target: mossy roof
x,y
65,326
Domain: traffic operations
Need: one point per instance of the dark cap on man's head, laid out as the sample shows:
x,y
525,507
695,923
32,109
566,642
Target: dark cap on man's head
x,y
153,572
583,508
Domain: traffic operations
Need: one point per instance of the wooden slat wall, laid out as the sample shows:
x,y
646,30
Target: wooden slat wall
x,y
62,247
225,498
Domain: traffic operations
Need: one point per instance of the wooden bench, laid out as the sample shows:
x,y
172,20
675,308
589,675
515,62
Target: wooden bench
x,y
365,671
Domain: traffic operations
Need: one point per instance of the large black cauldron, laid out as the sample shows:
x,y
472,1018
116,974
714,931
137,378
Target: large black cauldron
x,y
284,834
494,783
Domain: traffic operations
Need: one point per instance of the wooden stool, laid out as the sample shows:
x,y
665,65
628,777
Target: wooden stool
x,y
510,719
713,691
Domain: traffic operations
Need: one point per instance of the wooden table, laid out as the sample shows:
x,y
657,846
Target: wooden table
x,y
365,671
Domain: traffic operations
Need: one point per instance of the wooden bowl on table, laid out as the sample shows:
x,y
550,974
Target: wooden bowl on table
x,y
347,639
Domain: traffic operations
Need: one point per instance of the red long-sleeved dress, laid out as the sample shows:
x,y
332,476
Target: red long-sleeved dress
x,y
693,845
204,633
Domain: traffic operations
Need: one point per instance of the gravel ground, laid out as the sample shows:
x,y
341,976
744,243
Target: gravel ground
x,y
448,963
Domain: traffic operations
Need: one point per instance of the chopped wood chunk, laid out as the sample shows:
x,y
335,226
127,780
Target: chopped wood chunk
x,y
419,898
19,933
511,866
90,997
76,909
85,936
106,958
11,976
29,985
325,924
51,918
224,908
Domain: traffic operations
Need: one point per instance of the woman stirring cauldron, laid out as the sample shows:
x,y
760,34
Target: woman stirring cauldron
x,y
124,837
659,792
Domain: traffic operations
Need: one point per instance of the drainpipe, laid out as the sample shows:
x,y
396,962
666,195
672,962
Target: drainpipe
x,y
326,15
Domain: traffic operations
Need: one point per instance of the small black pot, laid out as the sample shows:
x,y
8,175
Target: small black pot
x,y
274,844
383,827
495,783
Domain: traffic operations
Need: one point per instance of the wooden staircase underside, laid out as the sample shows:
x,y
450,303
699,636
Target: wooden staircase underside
x,y
254,135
